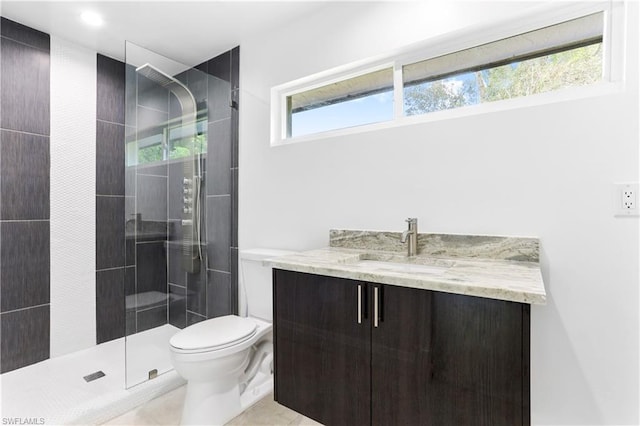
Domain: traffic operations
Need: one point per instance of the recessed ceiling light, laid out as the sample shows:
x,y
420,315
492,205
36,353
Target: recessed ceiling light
x,y
91,18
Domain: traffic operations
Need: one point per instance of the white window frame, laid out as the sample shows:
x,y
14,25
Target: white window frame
x,y
334,78
613,69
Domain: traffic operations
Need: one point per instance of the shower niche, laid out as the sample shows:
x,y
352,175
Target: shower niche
x,y
180,201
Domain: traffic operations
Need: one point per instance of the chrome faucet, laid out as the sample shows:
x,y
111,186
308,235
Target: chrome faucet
x,y
412,234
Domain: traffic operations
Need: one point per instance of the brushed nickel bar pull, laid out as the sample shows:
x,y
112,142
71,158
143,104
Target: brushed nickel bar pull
x,y
375,307
359,303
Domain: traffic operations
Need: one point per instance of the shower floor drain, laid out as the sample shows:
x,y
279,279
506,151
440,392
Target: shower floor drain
x,y
93,376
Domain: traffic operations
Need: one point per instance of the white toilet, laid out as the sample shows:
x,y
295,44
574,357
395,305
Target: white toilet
x,y
222,358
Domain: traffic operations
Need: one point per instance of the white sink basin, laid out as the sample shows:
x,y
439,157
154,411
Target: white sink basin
x,y
403,267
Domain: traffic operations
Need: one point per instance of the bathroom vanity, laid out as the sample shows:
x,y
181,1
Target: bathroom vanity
x,y
365,335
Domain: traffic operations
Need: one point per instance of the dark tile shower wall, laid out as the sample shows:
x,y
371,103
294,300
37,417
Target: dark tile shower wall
x,y
24,196
111,266
137,259
131,208
187,291
148,210
213,291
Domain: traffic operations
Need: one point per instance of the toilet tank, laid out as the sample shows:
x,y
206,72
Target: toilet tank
x,y
256,281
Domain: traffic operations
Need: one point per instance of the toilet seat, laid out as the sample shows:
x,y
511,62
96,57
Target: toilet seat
x,y
214,334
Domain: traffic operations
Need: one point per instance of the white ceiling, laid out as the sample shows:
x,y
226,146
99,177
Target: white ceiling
x,y
189,32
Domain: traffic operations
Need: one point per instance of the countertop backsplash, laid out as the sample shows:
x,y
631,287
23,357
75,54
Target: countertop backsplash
x,y
522,249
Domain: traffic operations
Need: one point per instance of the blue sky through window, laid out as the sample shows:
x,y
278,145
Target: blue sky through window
x,y
356,112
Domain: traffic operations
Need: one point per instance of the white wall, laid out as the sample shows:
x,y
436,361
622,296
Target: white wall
x,y
73,197
541,171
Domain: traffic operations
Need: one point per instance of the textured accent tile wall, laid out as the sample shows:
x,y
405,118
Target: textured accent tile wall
x,y
73,203
24,196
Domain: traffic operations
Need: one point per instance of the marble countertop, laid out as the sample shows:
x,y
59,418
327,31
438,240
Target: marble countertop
x,y
456,268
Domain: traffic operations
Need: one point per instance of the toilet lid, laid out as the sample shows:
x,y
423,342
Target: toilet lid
x,y
214,333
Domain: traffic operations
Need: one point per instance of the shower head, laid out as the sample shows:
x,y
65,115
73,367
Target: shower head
x,y
184,95
191,232
154,74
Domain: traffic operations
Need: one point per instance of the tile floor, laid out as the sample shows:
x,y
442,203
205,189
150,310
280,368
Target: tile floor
x,y
166,410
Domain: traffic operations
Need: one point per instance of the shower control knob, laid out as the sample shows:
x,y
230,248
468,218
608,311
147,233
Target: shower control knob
x,y
187,191
187,210
187,201
187,182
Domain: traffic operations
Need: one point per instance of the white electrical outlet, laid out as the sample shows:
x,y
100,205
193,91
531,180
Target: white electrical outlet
x,y
626,199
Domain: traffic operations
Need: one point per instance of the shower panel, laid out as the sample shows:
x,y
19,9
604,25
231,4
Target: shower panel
x,y
192,176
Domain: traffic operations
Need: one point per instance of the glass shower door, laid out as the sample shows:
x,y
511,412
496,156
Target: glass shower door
x,y
166,128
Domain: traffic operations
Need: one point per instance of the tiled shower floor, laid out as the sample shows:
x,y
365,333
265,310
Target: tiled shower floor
x,y
55,391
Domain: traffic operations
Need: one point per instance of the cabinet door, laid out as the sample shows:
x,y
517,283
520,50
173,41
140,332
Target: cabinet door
x,y
480,362
322,353
446,359
401,358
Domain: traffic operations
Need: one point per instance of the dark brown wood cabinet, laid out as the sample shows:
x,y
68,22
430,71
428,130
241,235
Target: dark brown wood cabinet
x,y
430,358
323,356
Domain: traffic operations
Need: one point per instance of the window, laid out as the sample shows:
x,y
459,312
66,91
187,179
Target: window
x,y
364,99
564,50
167,142
564,55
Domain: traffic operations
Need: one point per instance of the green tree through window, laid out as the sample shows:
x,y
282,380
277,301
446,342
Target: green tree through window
x,y
576,67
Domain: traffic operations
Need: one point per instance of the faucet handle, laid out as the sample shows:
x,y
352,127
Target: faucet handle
x,y
412,220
